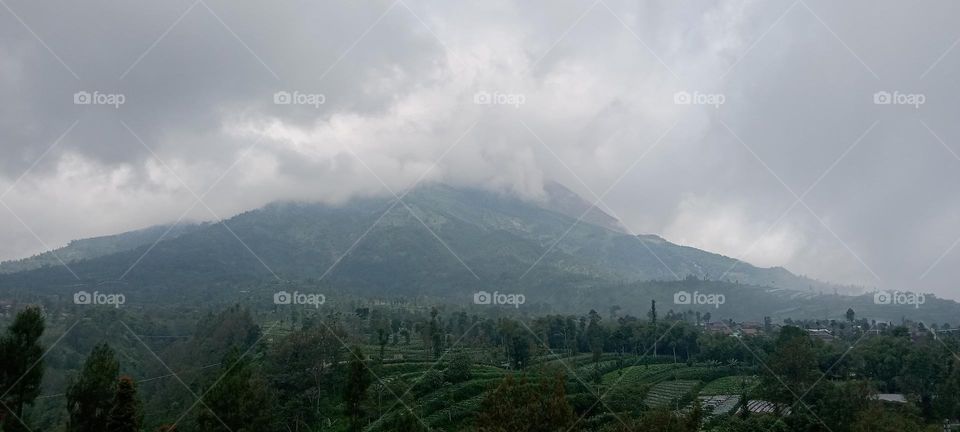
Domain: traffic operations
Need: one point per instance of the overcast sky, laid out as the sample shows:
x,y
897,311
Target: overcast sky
x,y
783,156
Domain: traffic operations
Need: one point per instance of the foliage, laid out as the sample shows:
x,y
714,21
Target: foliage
x,y
519,405
90,397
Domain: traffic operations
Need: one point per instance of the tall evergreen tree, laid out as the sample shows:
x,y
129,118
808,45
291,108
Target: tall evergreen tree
x,y
126,414
90,396
355,392
22,365
239,399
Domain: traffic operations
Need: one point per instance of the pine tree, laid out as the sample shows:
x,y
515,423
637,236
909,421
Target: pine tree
x,y
90,396
355,392
239,399
22,365
126,414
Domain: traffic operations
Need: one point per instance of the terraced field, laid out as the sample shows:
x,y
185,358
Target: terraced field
x,y
668,393
729,385
634,387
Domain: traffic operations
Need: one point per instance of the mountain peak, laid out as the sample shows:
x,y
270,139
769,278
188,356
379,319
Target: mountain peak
x,y
565,201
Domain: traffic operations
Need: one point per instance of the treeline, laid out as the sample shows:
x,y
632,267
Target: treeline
x,y
322,371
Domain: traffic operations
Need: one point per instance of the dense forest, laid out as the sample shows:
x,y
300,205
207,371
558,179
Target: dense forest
x,y
377,366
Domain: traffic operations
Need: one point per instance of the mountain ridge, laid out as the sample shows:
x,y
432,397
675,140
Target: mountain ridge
x,y
508,240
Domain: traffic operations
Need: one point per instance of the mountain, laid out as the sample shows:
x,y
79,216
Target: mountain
x,y
565,201
97,246
440,240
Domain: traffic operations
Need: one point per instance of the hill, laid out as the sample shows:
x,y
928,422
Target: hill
x,y
468,240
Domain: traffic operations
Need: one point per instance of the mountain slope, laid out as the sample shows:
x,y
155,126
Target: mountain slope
x,y
472,240
97,246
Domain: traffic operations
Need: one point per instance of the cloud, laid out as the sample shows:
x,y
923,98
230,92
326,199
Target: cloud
x,y
597,83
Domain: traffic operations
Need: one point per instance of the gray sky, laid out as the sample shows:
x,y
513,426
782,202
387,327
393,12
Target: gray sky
x,y
598,82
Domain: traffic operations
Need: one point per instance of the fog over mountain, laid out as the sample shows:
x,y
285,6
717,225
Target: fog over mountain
x,y
756,130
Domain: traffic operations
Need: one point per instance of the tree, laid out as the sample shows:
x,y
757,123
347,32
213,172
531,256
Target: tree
x,y
301,368
851,315
794,363
458,369
126,414
355,391
653,312
90,396
516,405
22,365
239,401
595,335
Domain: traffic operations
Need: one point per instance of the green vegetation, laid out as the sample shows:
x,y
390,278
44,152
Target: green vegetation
x,y
323,370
